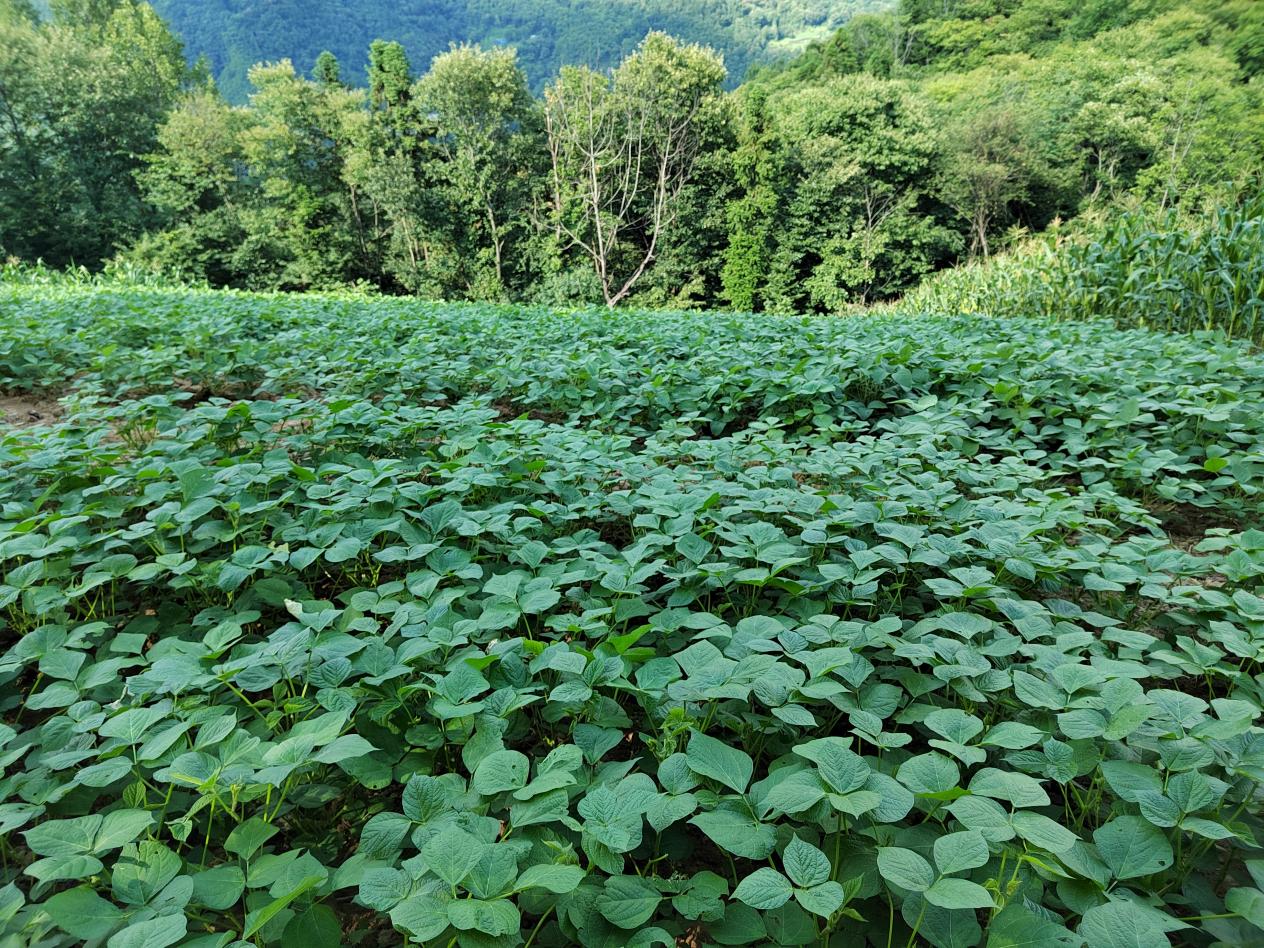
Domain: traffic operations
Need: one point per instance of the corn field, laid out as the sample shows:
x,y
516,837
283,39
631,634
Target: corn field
x,y
1148,270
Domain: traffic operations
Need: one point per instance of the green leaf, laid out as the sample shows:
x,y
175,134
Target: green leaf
x,y
843,769
905,868
554,878
1043,832
1121,925
131,725
219,888
1016,926
1249,903
715,759
1018,789
737,832
1133,847
119,827
805,864
495,917
958,852
247,837
929,773
384,834
628,901
958,894
314,927
765,888
83,913
823,899
452,854
422,916
501,771
257,919
154,933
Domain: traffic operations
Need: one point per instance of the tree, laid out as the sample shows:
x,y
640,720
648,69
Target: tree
x,y
622,150
987,171
194,179
81,98
486,129
856,218
327,71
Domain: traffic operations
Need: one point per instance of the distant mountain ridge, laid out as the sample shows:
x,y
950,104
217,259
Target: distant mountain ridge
x,y
235,34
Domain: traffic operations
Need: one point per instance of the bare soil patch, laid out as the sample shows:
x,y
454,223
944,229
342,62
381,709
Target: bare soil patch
x,y
24,411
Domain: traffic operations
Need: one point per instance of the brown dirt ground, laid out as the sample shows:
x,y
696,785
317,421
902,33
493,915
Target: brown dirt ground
x,y
23,411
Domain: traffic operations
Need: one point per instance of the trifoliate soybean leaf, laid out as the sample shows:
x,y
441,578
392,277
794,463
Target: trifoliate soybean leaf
x,y
905,868
958,852
451,854
554,878
343,748
314,927
219,888
1043,832
823,899
1133,847
1013,735
83,913
795,793
247,837
1018,789
929,773
843,769
70,837
494,874
805,864
1121,925
628,901
1249,903
1158,808
424,799
154,933
1016,926
1129,780
495,917
501,771
765,888
383,835
954,724
140,872
717,760
1208,829
952,893
667,809
119,827
422,916
737,831
131,725
895,799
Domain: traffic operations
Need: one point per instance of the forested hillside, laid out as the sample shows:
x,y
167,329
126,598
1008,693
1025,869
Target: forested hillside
x,y
907,142
548,34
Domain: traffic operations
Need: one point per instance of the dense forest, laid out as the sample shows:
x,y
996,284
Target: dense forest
x,y
548,34
906,142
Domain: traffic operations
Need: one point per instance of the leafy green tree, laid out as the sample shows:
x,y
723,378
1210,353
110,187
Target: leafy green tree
x,y
81,98
859,219
327,70
487,132
194,180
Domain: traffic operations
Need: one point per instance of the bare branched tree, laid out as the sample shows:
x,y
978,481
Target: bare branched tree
x,y
623,147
